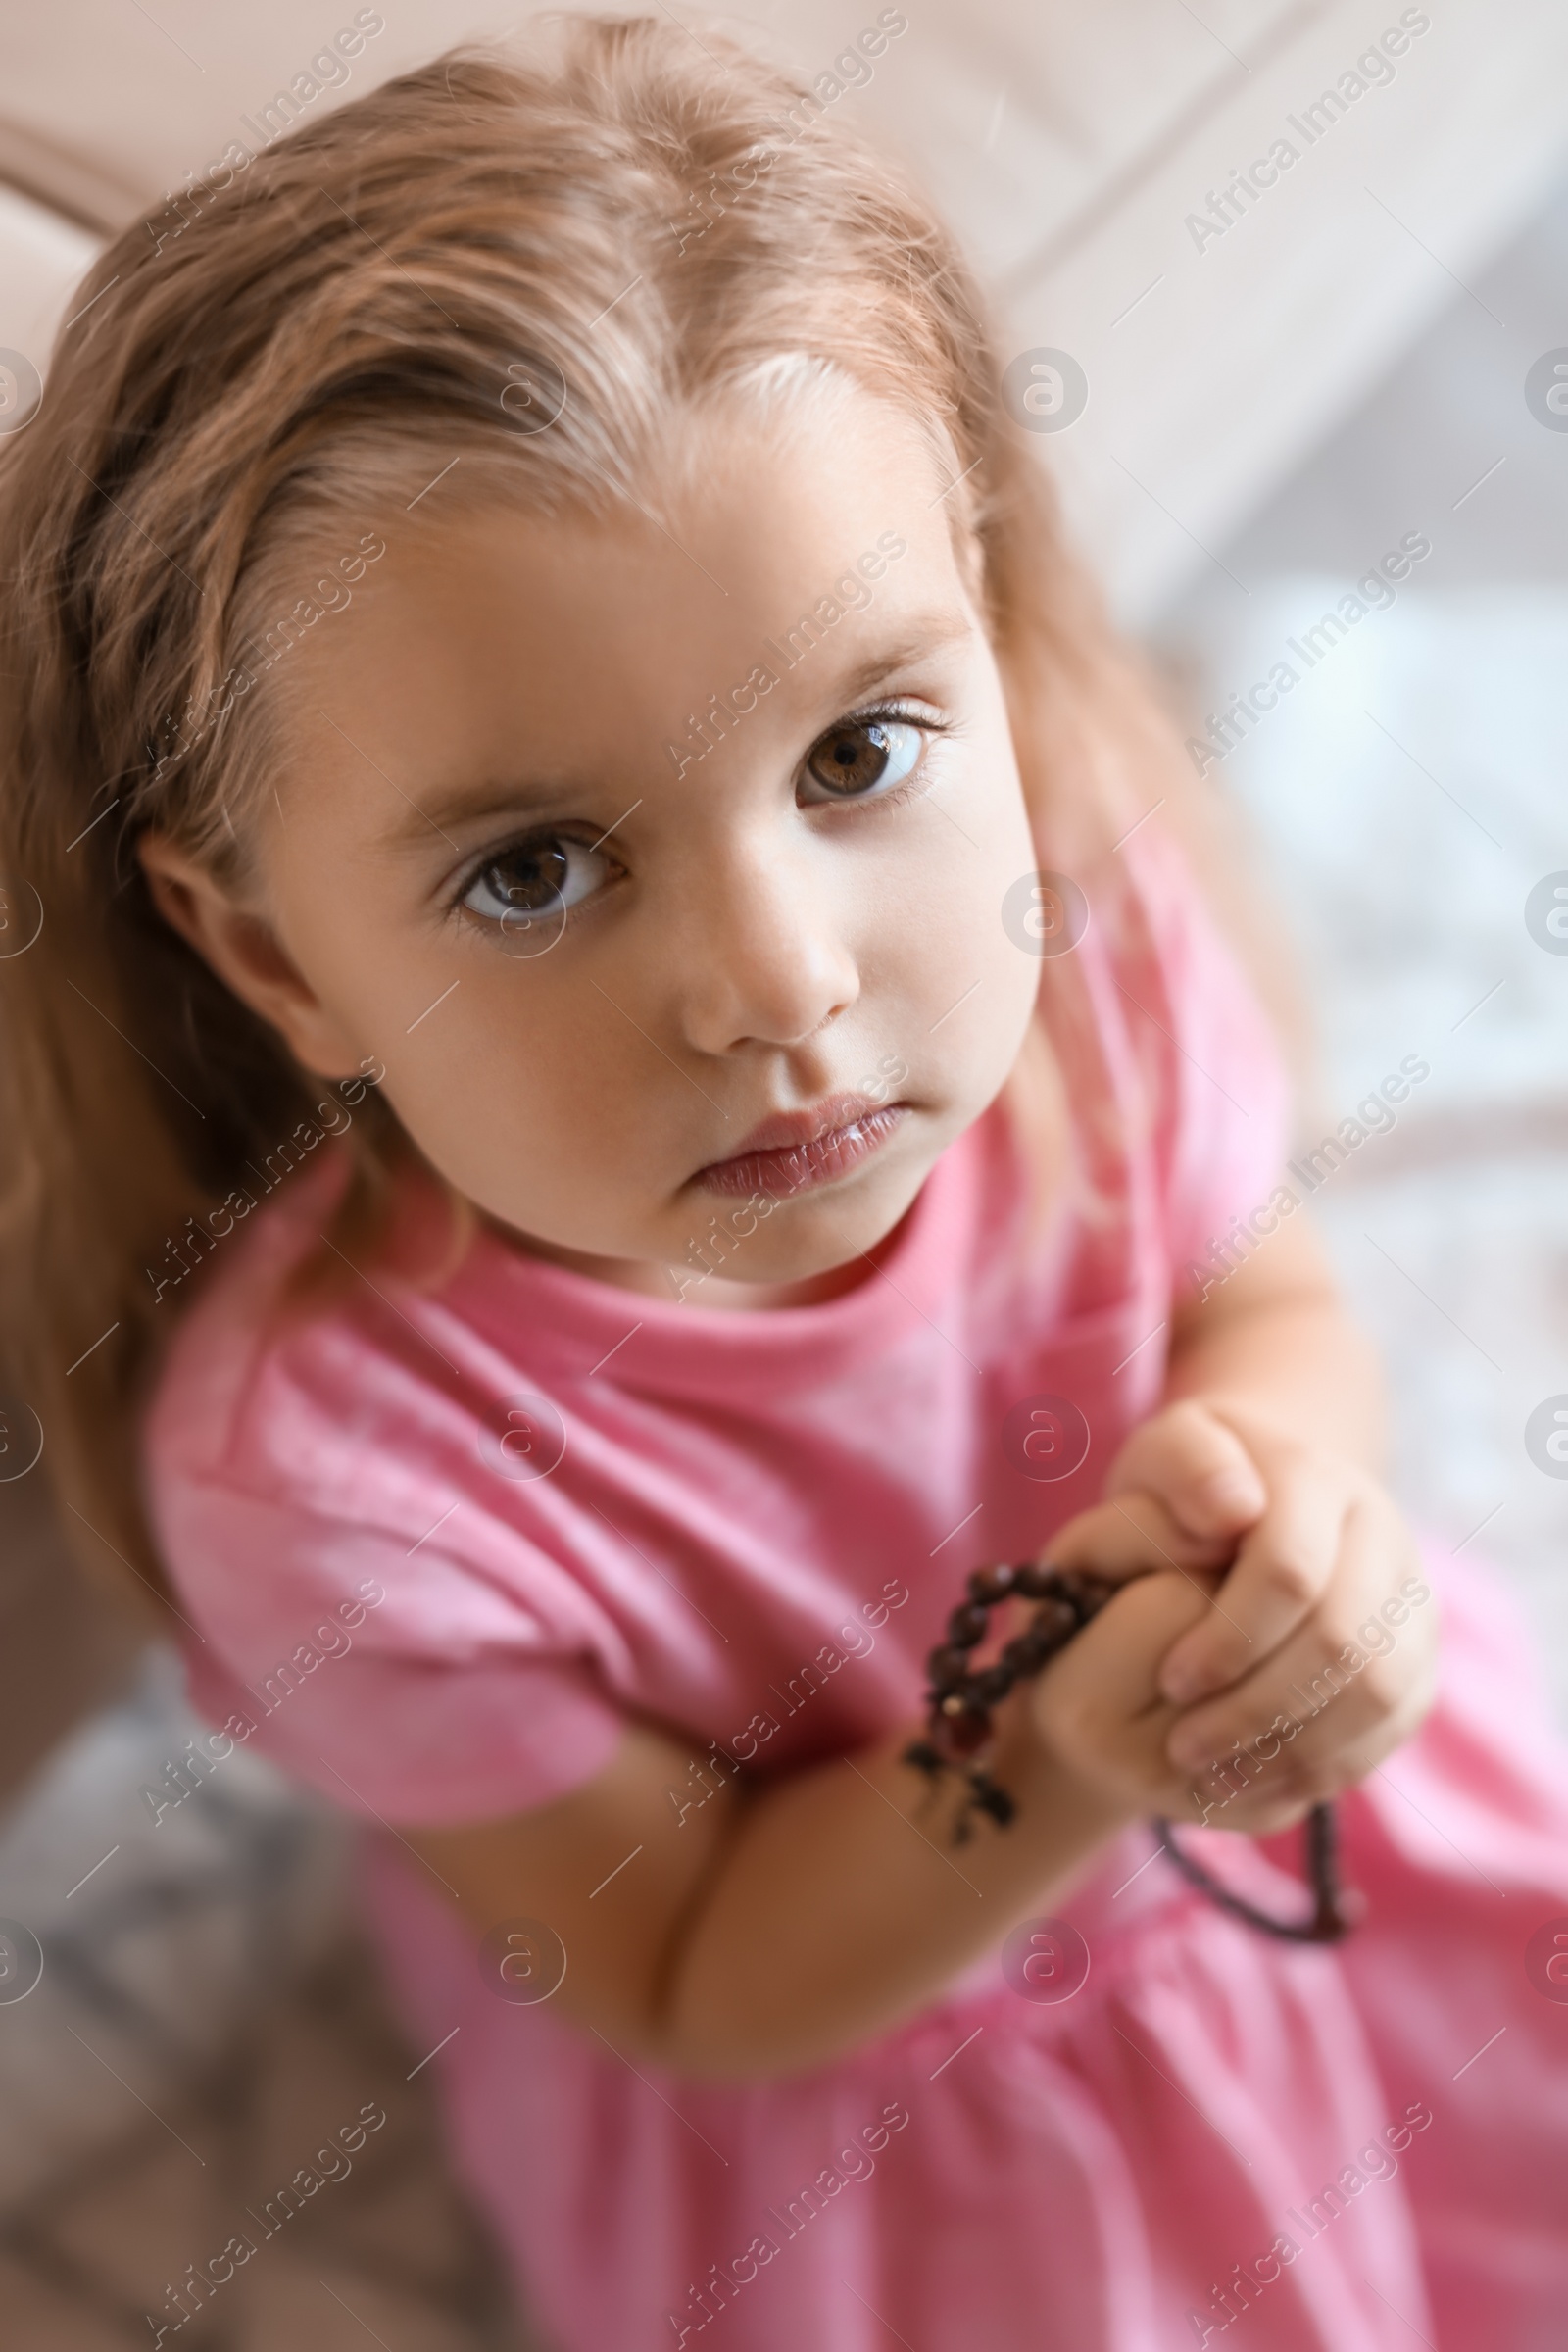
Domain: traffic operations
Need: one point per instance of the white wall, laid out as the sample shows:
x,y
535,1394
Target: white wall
x,y
1071,143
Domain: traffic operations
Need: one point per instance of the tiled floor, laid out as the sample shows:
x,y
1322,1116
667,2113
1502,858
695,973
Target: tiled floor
x,y
207,2025
93,2256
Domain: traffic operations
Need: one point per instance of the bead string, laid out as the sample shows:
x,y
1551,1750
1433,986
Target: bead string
x,y
959,1733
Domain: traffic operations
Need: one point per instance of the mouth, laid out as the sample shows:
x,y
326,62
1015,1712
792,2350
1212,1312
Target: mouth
x,y
803,1149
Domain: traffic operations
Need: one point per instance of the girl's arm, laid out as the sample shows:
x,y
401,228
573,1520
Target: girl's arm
x,y
775,1926
1274,1340
778,1925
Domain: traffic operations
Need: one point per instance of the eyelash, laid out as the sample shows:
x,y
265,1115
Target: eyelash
x,y
902,713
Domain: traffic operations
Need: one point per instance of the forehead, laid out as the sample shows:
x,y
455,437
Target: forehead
x,y
819,553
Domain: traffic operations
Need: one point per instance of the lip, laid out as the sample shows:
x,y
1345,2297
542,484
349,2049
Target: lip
x,y
800,1149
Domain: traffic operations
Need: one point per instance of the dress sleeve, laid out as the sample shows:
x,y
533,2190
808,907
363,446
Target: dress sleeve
x,y
404,1683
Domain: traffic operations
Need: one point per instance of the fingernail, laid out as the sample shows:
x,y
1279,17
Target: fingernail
x,y
1181,1685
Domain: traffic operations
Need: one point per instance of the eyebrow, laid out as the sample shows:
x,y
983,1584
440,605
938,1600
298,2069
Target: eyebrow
x,y
526,796
923,637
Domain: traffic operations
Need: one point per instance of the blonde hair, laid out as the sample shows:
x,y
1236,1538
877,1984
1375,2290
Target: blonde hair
x,y
637,220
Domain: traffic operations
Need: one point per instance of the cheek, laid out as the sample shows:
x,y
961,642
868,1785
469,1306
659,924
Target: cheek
x,y
967,991
512,1075
520,1071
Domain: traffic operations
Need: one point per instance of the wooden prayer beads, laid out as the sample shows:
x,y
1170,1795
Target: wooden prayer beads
x,y
961,1700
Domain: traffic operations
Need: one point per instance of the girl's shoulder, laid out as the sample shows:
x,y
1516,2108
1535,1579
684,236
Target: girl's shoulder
x,y
242,1380
349,1404
356,1597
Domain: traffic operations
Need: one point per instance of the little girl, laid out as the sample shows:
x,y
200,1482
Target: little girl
x,y
617,1068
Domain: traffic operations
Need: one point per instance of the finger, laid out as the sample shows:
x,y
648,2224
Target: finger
x,y
1095,1703
1115,1653
1271,1799
1282,1571
1334,1728
1130,1535
1257,1798
1347,1689
1201,1470
1262,1813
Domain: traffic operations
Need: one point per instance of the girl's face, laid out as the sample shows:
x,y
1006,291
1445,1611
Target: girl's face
x,y
664,868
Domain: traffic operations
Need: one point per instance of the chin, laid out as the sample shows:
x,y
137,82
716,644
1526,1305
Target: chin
x,y
815,1234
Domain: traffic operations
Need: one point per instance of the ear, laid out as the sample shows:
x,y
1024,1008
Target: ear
x,y
245,953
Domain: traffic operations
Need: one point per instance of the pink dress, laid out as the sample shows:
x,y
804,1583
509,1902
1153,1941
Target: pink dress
x,y
440,1546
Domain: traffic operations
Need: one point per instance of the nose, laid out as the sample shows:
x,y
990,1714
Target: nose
x,y
765,960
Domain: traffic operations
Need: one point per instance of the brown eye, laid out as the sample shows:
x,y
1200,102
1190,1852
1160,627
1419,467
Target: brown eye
x,y
863,756
531,879
544,876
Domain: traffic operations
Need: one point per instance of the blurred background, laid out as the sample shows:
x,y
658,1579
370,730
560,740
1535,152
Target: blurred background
x,y
1256,374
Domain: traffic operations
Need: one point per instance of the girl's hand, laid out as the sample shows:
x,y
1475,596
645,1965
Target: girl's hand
x,y
1317,1657
1097,1707
1100,1709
